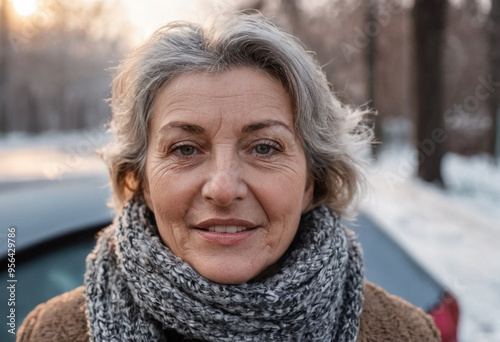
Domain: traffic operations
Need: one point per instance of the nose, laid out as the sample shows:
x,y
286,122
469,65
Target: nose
x,y
225,182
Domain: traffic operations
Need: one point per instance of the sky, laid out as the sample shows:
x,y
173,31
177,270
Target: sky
x,y
145,16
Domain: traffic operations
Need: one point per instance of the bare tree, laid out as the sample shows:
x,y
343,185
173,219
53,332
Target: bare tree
x,y
429,17
494,56
4,50
58,78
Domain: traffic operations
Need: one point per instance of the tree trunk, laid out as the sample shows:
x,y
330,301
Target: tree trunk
x,y
4,50
371,61
494,57
429,18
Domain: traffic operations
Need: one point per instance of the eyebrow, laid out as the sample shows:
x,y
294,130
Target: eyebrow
x,y
184,126
253,127
250,128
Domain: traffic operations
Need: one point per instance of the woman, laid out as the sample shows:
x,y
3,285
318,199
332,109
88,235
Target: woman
x,y
231,168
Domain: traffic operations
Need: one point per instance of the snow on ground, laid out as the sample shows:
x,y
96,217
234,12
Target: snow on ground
x,y
475,182
51,155
454,233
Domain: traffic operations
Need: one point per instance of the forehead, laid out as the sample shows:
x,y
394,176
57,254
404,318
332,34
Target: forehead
x,y
235,81
237,90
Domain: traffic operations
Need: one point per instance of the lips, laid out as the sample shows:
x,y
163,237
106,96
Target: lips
x,y
228,226
225,231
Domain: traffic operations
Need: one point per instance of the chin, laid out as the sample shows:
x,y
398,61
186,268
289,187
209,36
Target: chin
x,y
230,279
231,274
227,276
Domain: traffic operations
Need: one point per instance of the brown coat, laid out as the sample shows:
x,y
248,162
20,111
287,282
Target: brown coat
x,y
385,318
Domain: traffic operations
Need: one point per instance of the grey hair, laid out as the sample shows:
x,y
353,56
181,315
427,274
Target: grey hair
x,y
330,131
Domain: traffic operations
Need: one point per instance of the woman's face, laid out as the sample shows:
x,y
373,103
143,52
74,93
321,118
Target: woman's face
x,y
226,174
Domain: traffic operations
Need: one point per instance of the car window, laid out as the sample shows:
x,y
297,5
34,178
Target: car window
x,y
47,271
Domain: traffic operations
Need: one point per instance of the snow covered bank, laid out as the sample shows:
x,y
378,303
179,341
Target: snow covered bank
x,y
454,233
51,155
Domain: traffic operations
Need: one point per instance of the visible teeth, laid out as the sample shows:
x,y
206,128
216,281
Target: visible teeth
x,y
226,229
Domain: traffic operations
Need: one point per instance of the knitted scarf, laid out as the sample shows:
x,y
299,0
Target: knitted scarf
x,y
137,289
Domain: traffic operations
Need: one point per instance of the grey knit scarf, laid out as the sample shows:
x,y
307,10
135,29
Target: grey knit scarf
x,y
137,289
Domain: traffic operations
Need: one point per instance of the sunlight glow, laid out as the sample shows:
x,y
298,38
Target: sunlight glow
x,y
148,15
25,7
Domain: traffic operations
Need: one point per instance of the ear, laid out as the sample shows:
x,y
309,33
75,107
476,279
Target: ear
x,y
308,195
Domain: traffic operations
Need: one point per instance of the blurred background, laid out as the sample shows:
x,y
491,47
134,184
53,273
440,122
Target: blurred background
x,y
430,68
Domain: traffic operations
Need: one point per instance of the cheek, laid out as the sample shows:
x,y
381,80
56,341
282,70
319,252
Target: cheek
x,y
282,196
286,188
165,191
170,198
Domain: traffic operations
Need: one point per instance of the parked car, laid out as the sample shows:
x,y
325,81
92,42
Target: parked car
x,y
55,223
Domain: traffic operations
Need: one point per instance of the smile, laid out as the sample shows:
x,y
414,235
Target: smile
x,y
227,229
225,226
226,232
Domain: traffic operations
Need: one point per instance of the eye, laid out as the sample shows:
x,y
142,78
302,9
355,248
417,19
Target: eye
x,y
183,150
263,149
267,148
186,150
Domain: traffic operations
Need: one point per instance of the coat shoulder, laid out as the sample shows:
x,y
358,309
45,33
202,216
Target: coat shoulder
x,y
389,318
60,319
384,318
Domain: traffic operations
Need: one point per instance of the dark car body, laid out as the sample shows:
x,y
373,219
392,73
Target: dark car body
x,y
55,223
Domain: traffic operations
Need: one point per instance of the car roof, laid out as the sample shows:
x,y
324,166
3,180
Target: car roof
x,y
390,266
42,210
